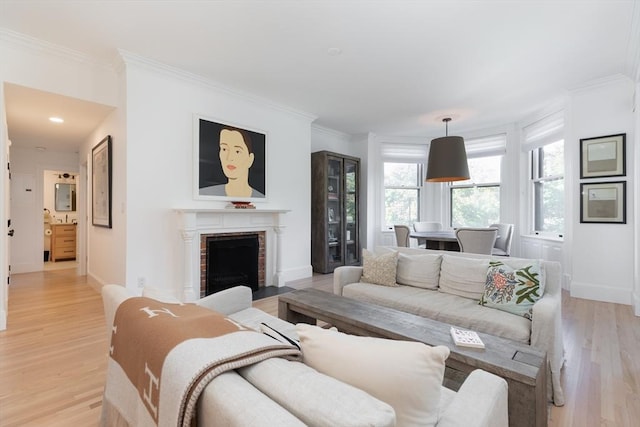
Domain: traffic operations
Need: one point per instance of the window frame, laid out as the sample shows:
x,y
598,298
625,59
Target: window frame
x,y
419,187
455,185
536,164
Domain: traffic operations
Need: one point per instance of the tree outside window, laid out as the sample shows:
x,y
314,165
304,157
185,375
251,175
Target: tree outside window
x,y
476,202
547,178
402,183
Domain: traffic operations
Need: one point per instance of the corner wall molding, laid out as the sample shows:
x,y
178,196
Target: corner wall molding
x,y
37,45
130,58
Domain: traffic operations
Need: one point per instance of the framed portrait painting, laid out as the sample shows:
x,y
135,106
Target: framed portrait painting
x,y
229,162
101,183
602,156
603,202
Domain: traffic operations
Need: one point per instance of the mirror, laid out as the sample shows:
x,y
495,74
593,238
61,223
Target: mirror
x,y
65,197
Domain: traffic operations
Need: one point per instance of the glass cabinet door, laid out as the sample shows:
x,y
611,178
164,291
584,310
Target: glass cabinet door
x,y
334,209
351,211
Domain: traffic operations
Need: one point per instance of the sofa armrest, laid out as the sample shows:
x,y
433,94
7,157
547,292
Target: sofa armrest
x,y
480,402
112,297
228,301
344,275
546,334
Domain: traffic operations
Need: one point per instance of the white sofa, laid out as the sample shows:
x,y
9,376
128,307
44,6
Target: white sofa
x,y
426,296
289,393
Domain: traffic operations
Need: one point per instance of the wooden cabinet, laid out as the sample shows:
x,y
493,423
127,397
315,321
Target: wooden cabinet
x,y
63,241
335,211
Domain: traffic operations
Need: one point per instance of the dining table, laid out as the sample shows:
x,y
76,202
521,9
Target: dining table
x,y
442,239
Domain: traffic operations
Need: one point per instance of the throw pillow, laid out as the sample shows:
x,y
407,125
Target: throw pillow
x,y
513,290
379,269
463,276
406,375
422,271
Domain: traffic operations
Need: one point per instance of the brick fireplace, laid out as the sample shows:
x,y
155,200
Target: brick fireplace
x,y
232,259
196,226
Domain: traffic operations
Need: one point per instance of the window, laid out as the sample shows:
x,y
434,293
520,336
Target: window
x,y
476,202
544,145
547,180
402,184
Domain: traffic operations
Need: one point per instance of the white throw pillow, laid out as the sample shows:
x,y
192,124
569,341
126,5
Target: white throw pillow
x,y
407,375
379,269
463,276
422,271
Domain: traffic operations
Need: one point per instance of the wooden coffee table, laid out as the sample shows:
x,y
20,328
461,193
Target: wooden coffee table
x,y
522,366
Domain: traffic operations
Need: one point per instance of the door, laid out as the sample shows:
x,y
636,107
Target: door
x,y
5,268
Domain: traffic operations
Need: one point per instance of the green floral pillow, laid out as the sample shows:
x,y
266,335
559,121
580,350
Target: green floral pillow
x,y
513,290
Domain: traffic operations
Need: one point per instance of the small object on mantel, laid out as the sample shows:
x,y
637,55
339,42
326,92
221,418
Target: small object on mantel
x,y
241,205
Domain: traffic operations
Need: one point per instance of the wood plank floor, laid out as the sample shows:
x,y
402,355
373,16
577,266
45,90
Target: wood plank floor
x,y
53,355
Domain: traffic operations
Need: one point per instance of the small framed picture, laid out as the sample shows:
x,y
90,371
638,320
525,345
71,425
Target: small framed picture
x,y
603,202
602,156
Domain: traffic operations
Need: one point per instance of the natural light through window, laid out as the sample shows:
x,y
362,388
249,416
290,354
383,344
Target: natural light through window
x,y
476,202
402,182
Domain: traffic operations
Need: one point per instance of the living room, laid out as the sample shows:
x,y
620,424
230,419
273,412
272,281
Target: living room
x,y
152,106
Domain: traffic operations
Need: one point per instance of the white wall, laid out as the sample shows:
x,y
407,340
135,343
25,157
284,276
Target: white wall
x,y
107,247
161,104
603,255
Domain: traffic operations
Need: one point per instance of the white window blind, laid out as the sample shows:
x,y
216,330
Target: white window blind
x,y
492,145
545,131
405,152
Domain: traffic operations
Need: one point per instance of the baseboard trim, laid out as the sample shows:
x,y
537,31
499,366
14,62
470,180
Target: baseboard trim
x,y
3,320
601,293
296,274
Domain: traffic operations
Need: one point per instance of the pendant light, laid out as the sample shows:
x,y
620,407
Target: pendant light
x,y
447,158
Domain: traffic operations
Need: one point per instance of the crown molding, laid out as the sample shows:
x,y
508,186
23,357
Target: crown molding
x,y
130,58
330,132
33,44
604,81
633,47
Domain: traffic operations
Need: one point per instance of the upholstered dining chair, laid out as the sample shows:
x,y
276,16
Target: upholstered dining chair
x,y
402,235
427,226
476,240
503,241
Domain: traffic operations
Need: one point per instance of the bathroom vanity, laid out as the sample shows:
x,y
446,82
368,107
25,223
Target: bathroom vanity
x,y
63,241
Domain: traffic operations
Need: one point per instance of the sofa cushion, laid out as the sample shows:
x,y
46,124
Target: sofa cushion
x,y
465,277
315,398
379,269
422,271
407,375
444,307
513,290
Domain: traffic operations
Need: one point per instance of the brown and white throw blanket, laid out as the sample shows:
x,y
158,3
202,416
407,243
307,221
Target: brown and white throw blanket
x,y
162,356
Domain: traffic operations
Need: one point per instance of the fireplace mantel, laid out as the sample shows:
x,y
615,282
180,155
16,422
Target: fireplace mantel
x,y
193,222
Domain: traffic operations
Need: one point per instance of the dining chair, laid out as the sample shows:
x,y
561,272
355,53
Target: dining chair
x,y
427,226
402,235
476,240
502,246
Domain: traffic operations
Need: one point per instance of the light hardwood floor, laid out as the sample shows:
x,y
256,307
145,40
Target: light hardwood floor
x,y
53,355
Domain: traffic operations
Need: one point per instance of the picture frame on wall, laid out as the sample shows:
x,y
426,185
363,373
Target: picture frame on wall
x,y
603,202
229,161
603,156
101,181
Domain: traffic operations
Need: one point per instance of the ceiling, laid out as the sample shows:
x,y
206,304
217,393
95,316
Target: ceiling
x,y
388,67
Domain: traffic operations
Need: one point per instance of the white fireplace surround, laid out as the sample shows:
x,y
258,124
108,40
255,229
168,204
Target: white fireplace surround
x,y
193,223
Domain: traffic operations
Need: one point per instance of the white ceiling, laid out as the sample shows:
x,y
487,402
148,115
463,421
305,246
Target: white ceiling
x,y
403,64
